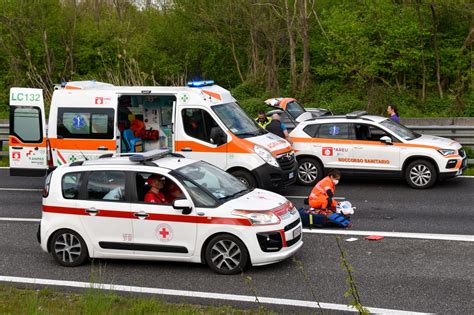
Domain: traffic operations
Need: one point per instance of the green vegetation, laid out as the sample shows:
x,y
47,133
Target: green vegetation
x,y
47,301
341,55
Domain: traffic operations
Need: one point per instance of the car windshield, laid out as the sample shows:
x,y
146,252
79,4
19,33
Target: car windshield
x,y
237,121
295,109
212,180
400,130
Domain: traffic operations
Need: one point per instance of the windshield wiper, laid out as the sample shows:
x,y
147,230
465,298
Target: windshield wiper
x,y
234,194
248,134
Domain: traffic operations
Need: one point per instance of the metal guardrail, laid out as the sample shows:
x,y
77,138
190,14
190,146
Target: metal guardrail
x,y
462,134
4,131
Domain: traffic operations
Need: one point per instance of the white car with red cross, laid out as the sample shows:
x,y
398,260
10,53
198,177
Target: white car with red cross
x,y
97,209
360,144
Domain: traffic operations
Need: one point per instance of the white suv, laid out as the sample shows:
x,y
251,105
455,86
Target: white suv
x,y
360,144
97,209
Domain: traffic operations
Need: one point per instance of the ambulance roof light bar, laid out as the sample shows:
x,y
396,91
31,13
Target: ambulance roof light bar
x,y
200,83
356,114
149,156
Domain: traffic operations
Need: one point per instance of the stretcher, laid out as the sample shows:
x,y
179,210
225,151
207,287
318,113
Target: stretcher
x,y
319,218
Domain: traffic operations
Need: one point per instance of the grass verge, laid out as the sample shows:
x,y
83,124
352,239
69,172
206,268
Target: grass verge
x,y
48,301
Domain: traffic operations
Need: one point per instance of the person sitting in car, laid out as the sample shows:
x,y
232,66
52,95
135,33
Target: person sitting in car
x,y
155,195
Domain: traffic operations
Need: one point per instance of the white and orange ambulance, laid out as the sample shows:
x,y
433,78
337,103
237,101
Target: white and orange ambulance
x,y
88,119
360,144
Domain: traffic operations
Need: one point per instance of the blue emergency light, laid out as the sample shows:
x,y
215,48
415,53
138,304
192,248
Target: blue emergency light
x,y
200,83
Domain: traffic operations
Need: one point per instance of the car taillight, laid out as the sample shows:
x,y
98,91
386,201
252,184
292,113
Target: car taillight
x,y
49,154
46,185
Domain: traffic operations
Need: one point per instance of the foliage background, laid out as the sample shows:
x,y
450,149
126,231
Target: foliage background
x,y
342,55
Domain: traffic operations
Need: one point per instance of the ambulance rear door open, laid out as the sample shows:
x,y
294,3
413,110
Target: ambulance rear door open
x,y
82,125
27,140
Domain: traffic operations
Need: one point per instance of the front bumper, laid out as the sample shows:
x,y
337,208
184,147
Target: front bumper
x,y
271,246
455,172
274,178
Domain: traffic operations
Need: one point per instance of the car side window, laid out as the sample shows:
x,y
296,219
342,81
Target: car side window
x,y
369,133
334,131
198,123
165,192
71,185
311,130
106,186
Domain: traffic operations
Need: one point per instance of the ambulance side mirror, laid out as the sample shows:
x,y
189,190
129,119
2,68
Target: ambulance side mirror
x,y
218,136
386,140
183,204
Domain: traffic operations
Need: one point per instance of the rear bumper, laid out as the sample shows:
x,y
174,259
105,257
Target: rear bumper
x,y
28,172
274,178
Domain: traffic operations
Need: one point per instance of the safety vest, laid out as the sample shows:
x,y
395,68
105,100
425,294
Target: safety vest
x,y
265,123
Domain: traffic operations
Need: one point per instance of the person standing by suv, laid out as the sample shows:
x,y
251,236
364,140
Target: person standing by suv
x,y
262,120
278,128
393,112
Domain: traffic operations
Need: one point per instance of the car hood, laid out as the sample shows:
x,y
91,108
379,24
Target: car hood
x,y
440,142
257,199
271,142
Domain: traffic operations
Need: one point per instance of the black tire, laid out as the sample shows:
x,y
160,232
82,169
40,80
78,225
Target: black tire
x,y
421,174
310,171
68,248
236,255
246,178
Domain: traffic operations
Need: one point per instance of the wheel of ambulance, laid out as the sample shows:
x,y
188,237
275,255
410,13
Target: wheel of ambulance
x,y
246,178
226,254
421,174
310,171
68,248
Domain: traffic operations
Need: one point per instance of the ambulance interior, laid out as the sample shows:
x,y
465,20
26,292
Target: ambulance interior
x,y
145,122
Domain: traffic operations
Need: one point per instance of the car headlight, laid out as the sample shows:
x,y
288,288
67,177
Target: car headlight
x,y
258,217
446,152
265,155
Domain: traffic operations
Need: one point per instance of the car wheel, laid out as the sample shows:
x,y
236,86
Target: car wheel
x,y
226,254
310,171
246,178
68,248
421,174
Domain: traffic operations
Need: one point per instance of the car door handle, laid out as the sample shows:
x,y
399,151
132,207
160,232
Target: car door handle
x,y
358,147
187,149
102,148
141,215
201,214
92,211
17,148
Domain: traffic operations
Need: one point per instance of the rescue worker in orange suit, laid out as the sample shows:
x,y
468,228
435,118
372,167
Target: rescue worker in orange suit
x,y
322,195
154,195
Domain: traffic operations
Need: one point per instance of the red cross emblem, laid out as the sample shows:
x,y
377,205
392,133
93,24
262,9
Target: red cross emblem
x,y
327,151
99,100
164,232
16,155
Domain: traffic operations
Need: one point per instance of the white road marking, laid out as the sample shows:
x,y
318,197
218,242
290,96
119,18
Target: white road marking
x,y
20,189
20,219
197,294
304,197
423,236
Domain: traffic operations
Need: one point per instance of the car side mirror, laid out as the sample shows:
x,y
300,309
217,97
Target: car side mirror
x,y
183,204
218,136
386,140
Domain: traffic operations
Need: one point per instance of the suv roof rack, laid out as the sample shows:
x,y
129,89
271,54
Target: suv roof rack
x,y
356,114
153,155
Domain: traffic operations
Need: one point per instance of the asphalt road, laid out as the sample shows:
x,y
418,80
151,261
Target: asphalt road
x,y
393,273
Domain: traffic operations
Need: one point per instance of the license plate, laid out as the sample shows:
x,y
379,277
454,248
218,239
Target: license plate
x,y
290,176
297,232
